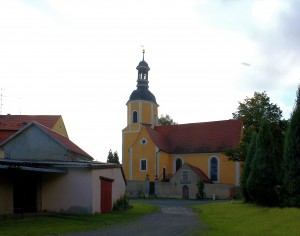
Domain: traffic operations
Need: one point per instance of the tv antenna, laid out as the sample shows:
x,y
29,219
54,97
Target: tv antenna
x,y
1,100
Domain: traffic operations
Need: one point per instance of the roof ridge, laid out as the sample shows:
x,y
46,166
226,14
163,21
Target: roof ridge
x,y
201,122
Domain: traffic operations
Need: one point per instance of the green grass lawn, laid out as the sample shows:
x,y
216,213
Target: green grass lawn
x,y
219,219
247,219
61,223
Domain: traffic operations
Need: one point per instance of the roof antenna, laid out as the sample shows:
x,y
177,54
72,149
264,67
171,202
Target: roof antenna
x,y
1,101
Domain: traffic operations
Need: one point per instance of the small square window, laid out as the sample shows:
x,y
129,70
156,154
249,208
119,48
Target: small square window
x,y
143,164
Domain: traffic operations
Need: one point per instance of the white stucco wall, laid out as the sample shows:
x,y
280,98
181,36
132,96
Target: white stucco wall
x,y
78,190
118,185
70,192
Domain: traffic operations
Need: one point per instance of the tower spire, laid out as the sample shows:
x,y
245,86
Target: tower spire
x,y
143,53
143,69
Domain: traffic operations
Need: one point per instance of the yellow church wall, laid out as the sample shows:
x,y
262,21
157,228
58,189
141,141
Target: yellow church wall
x,y
228,176
227,169
143,152
147,151
128,140
147,113
146,109
164,162
133,141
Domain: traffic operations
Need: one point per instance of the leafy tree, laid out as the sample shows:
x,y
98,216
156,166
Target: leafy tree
x,y
247,168
166,120
291,158
263,175
252,111
113,157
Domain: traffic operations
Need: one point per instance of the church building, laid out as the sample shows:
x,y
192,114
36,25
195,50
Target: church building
x,y
156,153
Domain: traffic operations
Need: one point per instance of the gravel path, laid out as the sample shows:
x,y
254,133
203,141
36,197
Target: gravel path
x,y
173,219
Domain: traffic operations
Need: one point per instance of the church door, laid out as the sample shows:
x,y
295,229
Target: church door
x,y
185,192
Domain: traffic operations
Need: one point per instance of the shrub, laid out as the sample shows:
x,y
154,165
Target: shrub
x,y
121,204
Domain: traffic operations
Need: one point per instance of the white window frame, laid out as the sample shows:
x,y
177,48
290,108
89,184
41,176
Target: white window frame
x,y
141,164
174,163
218,171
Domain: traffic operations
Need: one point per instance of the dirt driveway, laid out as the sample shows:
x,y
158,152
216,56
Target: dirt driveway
x,y
174,218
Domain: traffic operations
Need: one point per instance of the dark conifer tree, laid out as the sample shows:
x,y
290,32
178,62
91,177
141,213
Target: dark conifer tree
x,y
247,168
291,158
113,157
263,175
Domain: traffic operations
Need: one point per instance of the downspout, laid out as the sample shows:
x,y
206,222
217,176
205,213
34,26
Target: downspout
x,y
130,163
156,162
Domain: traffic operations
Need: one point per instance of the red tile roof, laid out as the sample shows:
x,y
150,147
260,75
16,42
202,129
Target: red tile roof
x,y
15,122
66,142
9,124
204,137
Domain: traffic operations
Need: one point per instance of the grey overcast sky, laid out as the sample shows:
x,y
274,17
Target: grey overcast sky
x,y
77,59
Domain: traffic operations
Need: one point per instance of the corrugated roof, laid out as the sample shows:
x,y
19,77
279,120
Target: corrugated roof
x,y
59,165
56,163
204,137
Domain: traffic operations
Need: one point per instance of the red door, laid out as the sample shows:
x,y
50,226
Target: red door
x,y
185,192
106,195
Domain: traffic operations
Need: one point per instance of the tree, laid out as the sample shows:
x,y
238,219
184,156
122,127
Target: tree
x,y
263,177
291,158
166,120
247,168
252,111
113,157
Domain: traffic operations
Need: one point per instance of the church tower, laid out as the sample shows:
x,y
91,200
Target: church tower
x,y
141,106
142,110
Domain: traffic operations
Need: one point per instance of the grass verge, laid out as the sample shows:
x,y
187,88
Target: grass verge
x,y
63,224
247,219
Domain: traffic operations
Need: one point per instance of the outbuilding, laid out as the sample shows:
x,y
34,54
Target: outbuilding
x,y
42,170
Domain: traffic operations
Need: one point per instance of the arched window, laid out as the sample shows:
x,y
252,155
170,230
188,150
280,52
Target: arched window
x,y
214,169
134,117
178,164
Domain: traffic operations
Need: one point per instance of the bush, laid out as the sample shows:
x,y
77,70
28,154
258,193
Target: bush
x,y
121,204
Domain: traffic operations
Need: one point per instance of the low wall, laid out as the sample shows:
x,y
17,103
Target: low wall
x,y
219,191
170,190
167,190
136,188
